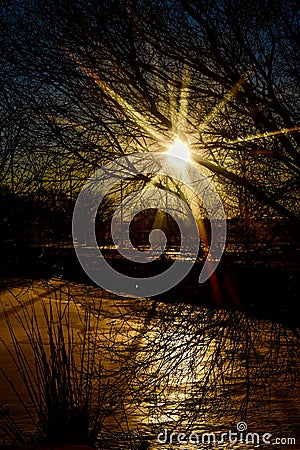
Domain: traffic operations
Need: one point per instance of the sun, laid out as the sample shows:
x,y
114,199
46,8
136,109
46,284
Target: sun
x,y
180,150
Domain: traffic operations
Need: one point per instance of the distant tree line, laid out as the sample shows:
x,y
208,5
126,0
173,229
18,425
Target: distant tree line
x,y
30,220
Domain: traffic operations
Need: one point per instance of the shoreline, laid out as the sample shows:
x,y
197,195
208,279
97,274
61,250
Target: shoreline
x,y
262,291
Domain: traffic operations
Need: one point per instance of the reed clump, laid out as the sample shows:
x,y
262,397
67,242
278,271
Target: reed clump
x,y
59,368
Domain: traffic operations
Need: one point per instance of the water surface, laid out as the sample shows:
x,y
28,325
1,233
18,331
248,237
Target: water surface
x,y
168,368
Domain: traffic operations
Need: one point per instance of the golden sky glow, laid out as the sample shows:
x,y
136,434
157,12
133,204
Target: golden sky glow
x,y
179,113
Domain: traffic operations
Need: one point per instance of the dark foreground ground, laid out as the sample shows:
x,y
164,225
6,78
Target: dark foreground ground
x,y
261,288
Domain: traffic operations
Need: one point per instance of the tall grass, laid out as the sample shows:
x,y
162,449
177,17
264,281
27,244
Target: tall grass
x,y
60,371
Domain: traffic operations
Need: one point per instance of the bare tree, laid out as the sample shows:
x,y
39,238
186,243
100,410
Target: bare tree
x,y
93,81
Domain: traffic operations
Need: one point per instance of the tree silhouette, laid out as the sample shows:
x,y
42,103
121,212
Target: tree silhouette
x,y
94,81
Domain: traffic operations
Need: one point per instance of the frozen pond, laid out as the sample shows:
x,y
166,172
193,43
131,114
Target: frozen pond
x,y
169,375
